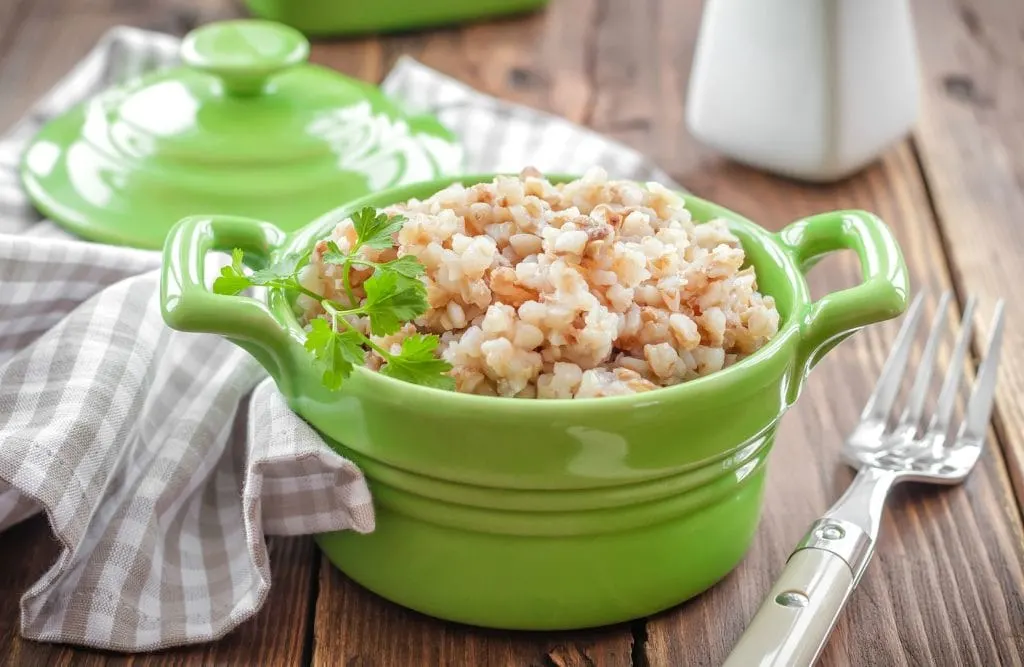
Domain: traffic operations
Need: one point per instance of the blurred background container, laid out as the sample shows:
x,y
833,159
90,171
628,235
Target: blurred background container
x,y
811,89
348,17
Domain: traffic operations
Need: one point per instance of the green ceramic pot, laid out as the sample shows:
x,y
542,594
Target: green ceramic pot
x,y
534,514
349,17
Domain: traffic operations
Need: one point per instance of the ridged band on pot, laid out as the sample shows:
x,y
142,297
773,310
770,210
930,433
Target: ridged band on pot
x,y
563,512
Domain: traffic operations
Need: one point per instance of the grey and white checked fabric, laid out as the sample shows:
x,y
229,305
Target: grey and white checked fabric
x,y
163,459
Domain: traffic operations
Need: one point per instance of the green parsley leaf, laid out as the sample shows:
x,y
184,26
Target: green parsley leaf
x,y
336,352
418,363
320,336
232,279
283,270
334,255
375,230
392,299
407,266
230,283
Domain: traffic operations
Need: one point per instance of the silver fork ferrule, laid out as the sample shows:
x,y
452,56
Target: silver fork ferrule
x,y
864,499
843,538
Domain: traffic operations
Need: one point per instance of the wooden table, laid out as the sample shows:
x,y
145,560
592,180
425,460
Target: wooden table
x,y
947,584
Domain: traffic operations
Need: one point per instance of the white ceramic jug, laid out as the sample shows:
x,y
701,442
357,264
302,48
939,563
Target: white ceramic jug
x,y
810,89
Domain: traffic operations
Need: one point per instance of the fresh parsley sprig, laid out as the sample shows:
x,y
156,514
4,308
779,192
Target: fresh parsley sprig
x,y
394,296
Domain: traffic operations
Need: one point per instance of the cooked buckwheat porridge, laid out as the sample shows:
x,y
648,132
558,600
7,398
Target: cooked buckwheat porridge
x,y
591,288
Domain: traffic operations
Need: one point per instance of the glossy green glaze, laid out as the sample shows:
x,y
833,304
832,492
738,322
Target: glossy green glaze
x,y
516,513
244,54
244,127
345,17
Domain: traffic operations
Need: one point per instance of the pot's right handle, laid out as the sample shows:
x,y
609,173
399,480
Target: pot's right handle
x,y
881,296
188,305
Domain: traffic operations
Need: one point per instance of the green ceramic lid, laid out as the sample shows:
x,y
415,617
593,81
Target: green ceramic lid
x,y
245,127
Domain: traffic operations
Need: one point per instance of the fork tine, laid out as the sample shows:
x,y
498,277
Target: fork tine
x,y
979,408
879,404
911,417
939,422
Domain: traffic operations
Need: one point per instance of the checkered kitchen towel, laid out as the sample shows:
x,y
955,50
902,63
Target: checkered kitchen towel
x,y
162,459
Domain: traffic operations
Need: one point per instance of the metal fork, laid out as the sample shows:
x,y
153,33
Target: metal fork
x,y
795,620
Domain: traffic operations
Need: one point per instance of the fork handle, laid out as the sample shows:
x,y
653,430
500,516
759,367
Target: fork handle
x,y
794,622
825,567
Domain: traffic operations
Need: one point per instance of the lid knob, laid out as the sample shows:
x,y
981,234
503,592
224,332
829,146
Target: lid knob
x,y
244,53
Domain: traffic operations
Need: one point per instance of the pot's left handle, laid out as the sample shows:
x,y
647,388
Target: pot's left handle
x,y
882,295
188,305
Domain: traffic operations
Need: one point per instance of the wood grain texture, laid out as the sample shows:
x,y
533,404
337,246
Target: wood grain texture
x,y
355,627
29,30
947,584
971,144
26,551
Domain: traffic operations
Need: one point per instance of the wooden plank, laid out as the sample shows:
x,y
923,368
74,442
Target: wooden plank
x,y
26,551
12,16
355,627
29,65
970,139
539,59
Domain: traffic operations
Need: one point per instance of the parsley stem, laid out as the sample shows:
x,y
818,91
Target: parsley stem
x,y
346,268
331,308
377,348
336,308
339,316
296,286
292,284
333,312
352,302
